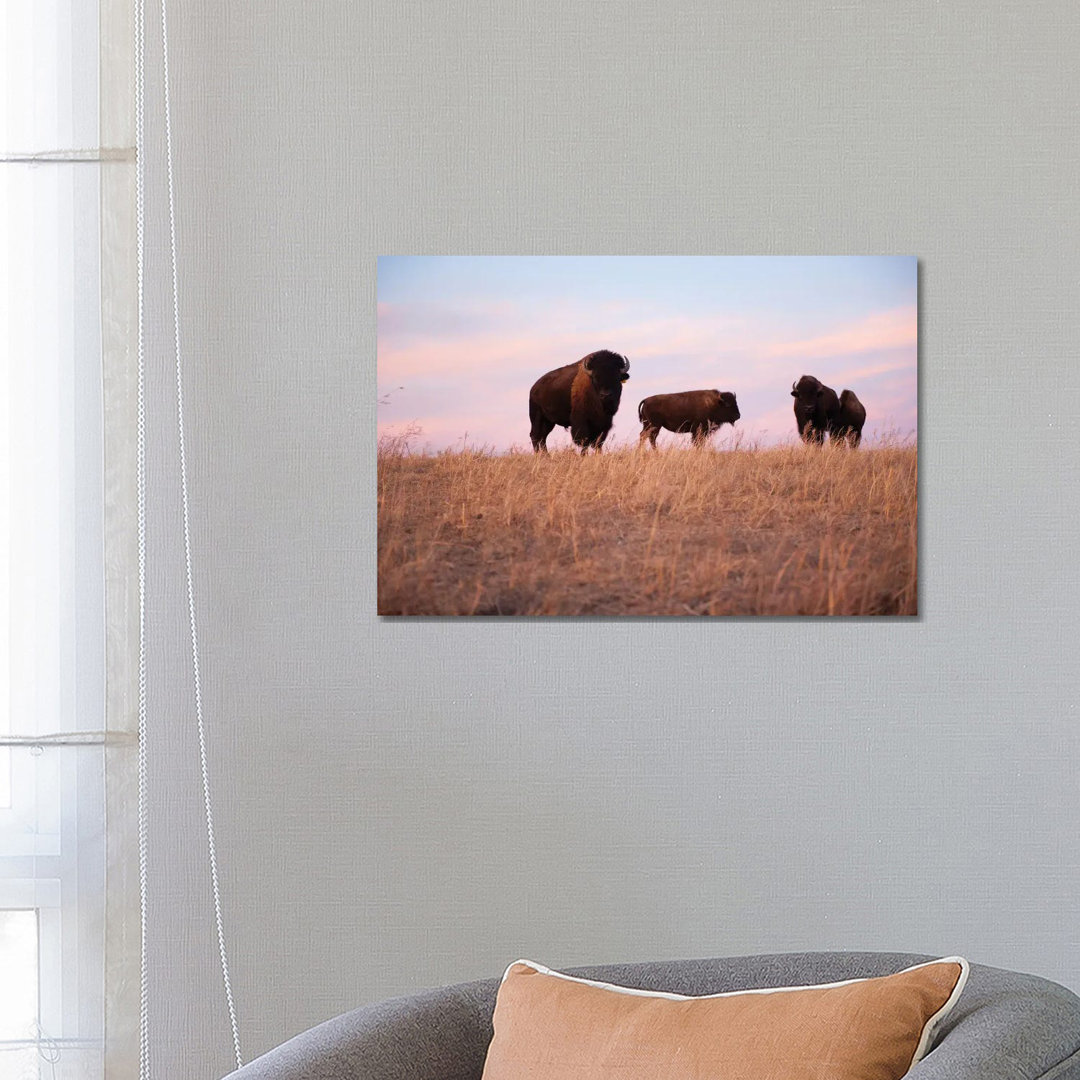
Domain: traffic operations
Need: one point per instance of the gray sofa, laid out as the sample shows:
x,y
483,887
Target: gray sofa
x,y
1006,1026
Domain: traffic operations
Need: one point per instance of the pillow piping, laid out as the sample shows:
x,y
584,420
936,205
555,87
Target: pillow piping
x,y
928,1031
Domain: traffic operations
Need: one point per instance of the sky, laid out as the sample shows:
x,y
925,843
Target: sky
x,y
461,339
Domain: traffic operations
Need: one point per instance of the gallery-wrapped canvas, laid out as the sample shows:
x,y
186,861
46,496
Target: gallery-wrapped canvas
x,y
644,436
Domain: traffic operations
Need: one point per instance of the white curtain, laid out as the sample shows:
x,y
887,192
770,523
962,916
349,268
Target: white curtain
x,y
60,199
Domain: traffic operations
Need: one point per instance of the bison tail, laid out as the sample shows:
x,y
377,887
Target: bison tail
x,y
640,412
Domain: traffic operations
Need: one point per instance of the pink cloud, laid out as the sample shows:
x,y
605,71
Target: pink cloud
x,y
903,363
882,330
558,341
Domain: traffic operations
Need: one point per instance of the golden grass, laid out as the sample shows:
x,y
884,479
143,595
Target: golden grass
x,y
786,530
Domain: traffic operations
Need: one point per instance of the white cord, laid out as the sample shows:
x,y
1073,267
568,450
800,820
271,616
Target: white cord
x,y
211,848
140,214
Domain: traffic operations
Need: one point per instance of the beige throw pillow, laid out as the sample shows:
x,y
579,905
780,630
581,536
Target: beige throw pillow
x,y
550,1026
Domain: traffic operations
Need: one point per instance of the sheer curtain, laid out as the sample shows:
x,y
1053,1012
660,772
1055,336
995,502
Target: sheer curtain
x,y
62,204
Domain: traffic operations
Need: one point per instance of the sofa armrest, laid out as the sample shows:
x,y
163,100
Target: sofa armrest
x,y
1007,1026
441,1034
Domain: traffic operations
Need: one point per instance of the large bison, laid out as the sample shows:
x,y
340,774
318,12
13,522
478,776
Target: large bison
x,y
700,412
850,422
817,409
583,396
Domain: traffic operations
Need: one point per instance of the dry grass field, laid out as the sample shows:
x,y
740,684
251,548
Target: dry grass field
x,y
787,530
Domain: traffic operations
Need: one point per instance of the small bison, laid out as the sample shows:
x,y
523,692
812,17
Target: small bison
x,y
583,396
817,409
700,412
849,423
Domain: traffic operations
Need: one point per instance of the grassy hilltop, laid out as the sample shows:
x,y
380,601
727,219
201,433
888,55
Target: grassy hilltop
x,y
786,530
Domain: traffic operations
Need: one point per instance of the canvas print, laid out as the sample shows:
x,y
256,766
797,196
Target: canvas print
x,y
647,436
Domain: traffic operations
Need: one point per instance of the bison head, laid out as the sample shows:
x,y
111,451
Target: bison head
x,y
728,409
607,371
807,390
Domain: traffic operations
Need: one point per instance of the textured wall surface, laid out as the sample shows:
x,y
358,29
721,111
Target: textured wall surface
x,y
403,804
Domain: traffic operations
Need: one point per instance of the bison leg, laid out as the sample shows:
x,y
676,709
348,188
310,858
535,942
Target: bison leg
x,y
648,432
582,436
699,433
542,427
596,442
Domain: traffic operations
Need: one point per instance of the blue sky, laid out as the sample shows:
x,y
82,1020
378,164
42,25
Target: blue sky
x,y
462,338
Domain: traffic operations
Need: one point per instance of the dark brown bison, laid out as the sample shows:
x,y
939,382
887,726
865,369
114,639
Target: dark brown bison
x,y
817,409
583,396
849,423
700,412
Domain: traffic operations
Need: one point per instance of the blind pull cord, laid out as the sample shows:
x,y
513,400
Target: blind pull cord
x,y
140,454
140,26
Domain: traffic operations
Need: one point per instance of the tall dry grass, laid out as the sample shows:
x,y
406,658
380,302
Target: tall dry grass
x,y
787,530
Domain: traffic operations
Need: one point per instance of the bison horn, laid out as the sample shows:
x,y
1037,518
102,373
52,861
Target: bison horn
x,y
625,365
587,362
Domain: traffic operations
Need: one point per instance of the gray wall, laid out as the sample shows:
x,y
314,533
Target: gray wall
x,y
402,804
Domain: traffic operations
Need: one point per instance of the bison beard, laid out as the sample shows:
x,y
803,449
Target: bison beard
x,y
583,397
